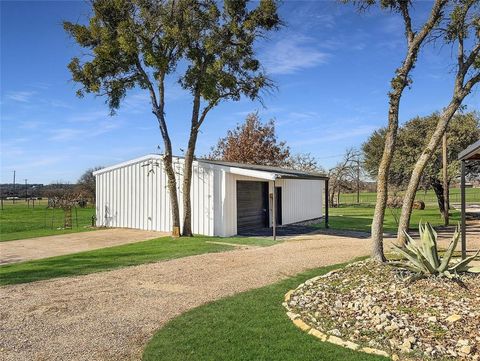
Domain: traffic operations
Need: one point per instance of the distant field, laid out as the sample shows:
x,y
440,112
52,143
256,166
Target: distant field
x,y
359,217
18,221
472,194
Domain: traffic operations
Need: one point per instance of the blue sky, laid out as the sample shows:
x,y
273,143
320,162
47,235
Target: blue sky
x,y
332,67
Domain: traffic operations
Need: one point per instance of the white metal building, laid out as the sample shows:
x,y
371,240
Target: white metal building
x,y
227,198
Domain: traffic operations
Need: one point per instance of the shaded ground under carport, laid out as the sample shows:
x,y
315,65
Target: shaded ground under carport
x,y
283,231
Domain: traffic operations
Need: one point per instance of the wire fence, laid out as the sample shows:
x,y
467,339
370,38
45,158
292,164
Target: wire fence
x,y
20,216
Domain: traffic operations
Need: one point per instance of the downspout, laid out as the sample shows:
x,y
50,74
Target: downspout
x,y
463,211
274,209
326,203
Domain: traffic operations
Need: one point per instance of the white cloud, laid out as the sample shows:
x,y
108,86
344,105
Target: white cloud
x,y
297,117
65,134
88,117
20,96
335,135
326,20
30,124
292,54
102,128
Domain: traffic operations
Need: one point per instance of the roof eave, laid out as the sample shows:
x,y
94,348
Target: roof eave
x,y
472,152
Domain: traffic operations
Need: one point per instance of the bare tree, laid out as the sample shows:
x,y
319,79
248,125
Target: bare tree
x,y
304,162
86,184
343,174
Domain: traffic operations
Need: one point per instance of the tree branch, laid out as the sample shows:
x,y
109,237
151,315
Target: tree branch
x,y
148,82
408,21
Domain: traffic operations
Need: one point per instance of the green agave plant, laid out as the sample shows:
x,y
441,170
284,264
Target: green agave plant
x,y
422,257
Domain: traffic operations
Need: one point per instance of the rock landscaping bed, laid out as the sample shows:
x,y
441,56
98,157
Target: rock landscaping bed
x,y
369,307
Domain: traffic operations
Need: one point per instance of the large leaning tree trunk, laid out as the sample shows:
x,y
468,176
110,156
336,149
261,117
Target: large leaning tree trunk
x,y
398,84
222,66
159,112
467,64
197,120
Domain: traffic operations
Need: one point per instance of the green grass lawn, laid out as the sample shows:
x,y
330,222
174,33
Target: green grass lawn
x,y
472,195
18,221
359,217
248,326
116,257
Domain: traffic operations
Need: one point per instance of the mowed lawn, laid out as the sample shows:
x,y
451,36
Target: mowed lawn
x,y
359,217
249,326
105,259
472,195
19,221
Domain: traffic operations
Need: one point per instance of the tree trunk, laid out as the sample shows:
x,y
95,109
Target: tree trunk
x,y
398,84
171,180
384,168
438,189
187,167
419,167
187,184
158,109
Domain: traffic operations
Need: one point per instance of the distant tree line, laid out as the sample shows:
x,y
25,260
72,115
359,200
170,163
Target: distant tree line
x,y
412,138
84,189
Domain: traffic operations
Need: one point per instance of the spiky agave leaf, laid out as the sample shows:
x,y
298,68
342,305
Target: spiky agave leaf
x,y
475,269
428,245
405,265
462,265
412,257
451,248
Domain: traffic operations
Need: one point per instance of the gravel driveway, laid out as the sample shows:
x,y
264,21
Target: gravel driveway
x,y
112,315
49,246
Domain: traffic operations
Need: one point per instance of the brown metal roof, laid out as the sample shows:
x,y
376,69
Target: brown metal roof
x,y
281,172
472,152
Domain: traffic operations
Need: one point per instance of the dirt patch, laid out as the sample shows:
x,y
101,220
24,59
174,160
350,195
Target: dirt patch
x,y
42,247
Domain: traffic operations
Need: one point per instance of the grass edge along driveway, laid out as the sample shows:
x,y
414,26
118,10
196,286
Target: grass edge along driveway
x,y
252,325
104,259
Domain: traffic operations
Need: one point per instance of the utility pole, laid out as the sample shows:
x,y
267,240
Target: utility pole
x,y
358,179
14,192
26,190
446,193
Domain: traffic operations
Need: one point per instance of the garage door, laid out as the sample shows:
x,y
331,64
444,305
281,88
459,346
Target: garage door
x,y
252,206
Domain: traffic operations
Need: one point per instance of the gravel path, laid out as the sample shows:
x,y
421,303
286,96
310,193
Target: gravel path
x,y
112,315
49,246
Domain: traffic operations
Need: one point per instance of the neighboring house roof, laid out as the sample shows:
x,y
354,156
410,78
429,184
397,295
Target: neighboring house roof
x,y
257,171
471,152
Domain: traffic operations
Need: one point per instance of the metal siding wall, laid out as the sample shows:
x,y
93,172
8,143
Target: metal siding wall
x,y
218,184
99,199
137,198
301,199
